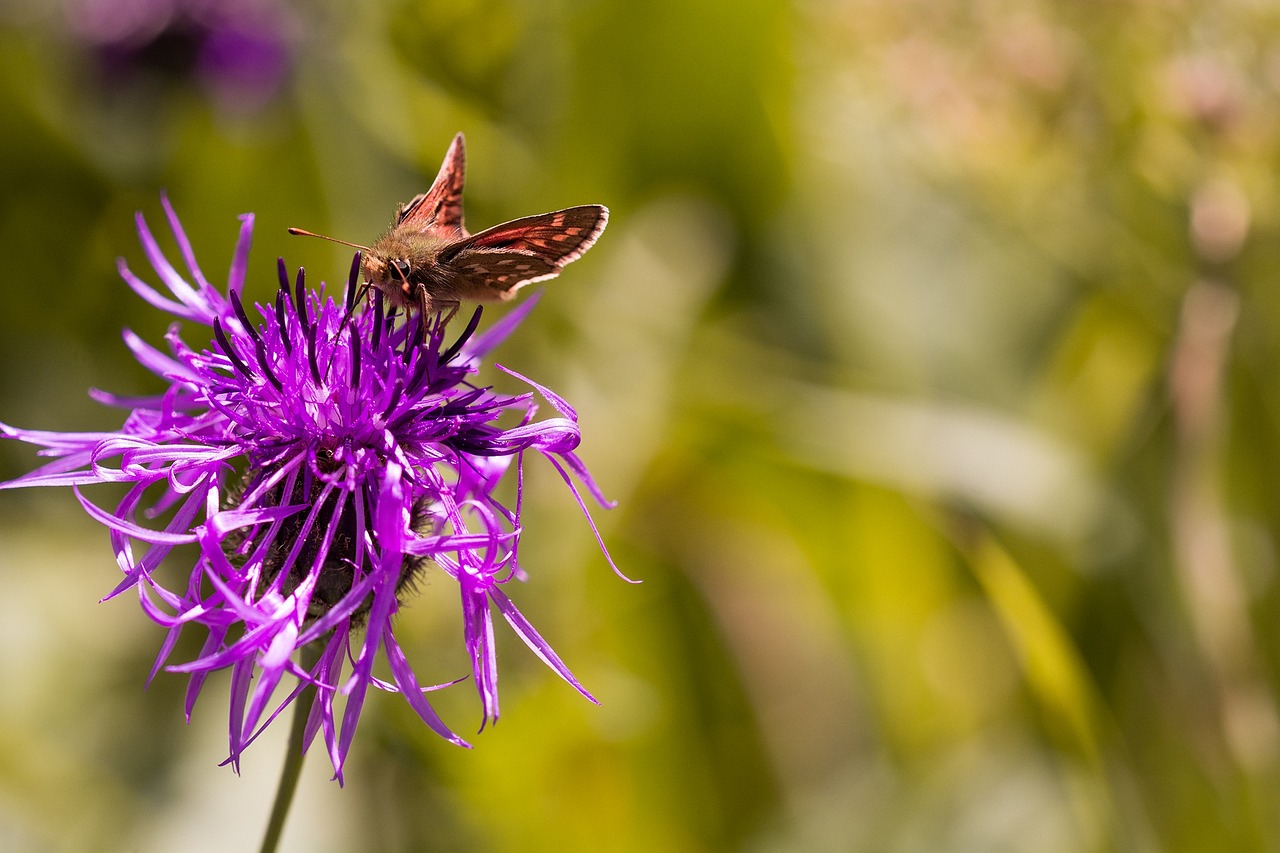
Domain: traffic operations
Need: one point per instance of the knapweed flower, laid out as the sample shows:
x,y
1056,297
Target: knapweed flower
x,y
317,458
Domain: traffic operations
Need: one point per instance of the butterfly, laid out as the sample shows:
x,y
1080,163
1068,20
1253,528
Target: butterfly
x,y
428,261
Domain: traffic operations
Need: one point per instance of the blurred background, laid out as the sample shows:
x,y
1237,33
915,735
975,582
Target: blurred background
x,y
931,352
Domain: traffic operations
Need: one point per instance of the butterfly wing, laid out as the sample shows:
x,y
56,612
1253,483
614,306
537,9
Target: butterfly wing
x,y
498,260
439,209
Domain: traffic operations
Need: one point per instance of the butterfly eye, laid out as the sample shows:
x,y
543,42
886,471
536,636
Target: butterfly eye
x,y
401,266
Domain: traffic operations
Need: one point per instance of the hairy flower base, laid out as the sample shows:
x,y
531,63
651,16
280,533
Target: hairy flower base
x,y
337,568
318,457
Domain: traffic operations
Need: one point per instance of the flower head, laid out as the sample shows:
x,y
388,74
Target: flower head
x,y
317,458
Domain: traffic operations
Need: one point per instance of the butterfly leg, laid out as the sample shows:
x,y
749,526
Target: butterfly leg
x,y
424,303
454,305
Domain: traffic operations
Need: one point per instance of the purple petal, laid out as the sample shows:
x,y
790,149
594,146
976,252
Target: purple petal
x,y
152,297
481,345
184,245
534,640
176,284
140,533
408,684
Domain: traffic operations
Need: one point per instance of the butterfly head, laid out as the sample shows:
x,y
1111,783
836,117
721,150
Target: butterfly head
x,y
381,271
388,274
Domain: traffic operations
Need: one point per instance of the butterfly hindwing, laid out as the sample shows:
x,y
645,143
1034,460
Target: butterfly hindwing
x,y
496,275
439,209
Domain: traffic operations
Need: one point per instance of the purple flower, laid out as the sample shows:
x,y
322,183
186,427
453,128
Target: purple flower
x,y
317,466
239,51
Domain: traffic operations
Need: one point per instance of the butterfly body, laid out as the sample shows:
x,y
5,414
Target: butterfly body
x,y
403,267
427,260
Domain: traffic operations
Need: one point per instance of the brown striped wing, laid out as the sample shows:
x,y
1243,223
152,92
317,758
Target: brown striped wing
x,y
439,209
500,259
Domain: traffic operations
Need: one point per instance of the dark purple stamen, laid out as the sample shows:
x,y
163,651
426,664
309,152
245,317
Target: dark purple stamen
x,y
472,325
260,350
377,322
397,391
414,332
281,296
282,271
230,351
244,318
355,367
299,299
420,370
311,356
352,280
459,405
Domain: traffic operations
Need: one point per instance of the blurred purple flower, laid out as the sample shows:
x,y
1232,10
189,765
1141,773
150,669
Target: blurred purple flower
x,y
317,467
237,49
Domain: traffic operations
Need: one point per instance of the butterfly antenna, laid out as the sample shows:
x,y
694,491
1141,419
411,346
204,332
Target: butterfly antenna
x,y
298,232
364,288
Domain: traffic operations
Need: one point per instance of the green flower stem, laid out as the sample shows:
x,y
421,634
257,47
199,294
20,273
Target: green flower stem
x,y
293,755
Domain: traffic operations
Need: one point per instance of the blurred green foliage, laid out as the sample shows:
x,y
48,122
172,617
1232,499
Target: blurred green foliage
x,y
931,353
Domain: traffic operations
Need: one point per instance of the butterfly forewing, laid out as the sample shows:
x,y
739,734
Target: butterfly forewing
x,y
534,248
439,209
559,237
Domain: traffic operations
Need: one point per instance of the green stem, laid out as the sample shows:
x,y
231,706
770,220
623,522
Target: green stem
x,y
293,755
